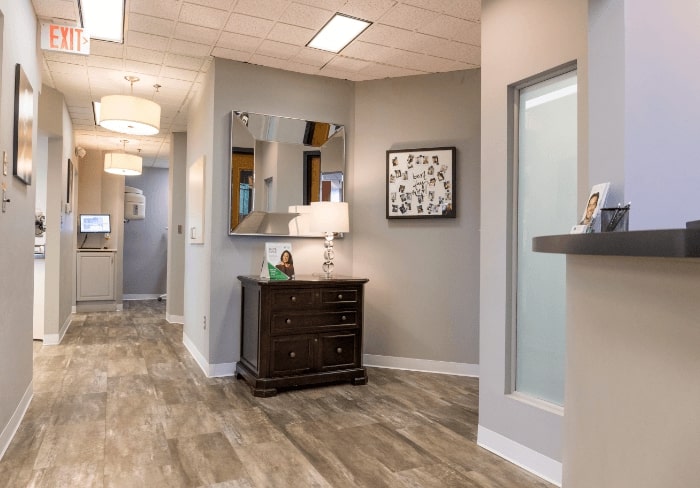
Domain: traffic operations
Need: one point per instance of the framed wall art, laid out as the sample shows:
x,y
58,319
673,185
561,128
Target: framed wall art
x,y
24,120
420,183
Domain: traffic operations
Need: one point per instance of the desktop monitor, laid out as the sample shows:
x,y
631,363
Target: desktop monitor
x,y
95,224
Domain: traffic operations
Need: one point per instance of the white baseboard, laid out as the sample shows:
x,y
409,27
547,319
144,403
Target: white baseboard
x,y
536,463
55,339
424,365
142,296
211,370
74,309
11,428
175,319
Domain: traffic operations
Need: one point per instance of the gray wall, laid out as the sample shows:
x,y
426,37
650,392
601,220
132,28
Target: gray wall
x,y
422,299
17,224
519,40
174,308
146,241
211,287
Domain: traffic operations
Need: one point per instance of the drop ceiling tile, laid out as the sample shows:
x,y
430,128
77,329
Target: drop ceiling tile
x,y
104,62
408,17
409,60
306,16
370,10
276,49
283,64
147,41
203,16
60,57
332,5
67,69
220,4
140,68
56,10
232,54
369,52
189,48
291,34
109,49
144,55
194,33
386,35
178,74
455,29
168,9
313,57
151,25
184,62
464,9
346,64
250,26
378,71
269,9
238,42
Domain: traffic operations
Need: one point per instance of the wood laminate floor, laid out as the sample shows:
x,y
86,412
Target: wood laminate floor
x,y
121,403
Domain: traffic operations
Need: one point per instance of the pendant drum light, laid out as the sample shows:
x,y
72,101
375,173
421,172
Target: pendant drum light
x,y
129,114
123,163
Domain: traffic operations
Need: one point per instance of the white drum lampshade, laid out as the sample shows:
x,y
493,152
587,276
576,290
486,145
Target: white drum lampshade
x,y
130,115
123,164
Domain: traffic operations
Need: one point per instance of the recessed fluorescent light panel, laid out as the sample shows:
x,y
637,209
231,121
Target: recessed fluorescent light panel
x,y
340,31
103,19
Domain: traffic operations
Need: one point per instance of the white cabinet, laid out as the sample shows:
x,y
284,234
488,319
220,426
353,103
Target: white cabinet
x,y
95,280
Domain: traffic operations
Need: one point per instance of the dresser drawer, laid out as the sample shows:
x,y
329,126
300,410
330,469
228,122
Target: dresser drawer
x,y
292,355
289,322
299,299
338,351
339,295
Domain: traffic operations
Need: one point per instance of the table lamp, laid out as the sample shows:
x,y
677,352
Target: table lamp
x,y
329,218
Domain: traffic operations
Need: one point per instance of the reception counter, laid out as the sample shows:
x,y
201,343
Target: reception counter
x,y
632,398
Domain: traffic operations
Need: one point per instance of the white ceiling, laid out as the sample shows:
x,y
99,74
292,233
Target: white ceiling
x,y
171,43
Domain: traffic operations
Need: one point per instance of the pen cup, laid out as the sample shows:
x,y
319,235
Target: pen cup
x,y
614,219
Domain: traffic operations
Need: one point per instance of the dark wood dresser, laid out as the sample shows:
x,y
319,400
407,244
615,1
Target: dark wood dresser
x,y
300,332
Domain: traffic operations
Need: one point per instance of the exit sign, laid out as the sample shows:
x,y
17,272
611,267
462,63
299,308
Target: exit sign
x,y
65,38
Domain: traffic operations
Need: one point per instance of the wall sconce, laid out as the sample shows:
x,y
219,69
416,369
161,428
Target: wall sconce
x,y
329,218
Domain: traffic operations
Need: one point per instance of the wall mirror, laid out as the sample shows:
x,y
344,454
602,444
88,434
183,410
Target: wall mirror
x,y
279,165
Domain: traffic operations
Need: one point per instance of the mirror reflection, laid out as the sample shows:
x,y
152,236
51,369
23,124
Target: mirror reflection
x,y
279,165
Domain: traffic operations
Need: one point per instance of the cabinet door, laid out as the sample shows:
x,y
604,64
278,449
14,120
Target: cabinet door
x,y
292,355
338,351
95,280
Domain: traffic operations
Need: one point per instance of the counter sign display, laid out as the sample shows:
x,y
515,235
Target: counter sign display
x,y
65,38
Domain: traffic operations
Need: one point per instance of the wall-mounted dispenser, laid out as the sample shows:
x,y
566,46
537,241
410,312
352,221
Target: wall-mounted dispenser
x,y
134,204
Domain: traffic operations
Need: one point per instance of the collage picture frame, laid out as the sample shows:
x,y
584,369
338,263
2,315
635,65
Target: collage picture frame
x,y
420,183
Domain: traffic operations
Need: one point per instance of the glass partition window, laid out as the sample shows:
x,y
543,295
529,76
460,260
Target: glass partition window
x,y
546,205
278,166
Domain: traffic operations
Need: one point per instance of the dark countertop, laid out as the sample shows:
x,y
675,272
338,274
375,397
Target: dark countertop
x,y
668,243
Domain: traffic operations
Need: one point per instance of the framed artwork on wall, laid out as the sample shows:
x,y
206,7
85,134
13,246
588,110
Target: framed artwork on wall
x,y
420,183
24,120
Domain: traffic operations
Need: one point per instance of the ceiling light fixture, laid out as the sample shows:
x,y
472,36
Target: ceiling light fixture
x,y
129,114
103,19
338,32
121,163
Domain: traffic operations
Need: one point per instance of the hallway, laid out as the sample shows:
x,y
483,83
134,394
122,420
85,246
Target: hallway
x,y
120,403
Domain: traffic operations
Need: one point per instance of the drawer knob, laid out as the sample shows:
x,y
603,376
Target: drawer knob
x,y
340,296
343,317
293,299
339,350
288,321
292,354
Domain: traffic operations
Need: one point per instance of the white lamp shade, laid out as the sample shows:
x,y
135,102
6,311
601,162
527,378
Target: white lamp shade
x,y
130,115
330,217
123,164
